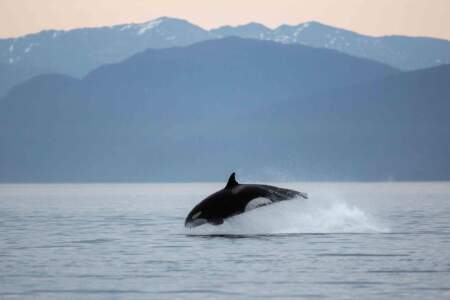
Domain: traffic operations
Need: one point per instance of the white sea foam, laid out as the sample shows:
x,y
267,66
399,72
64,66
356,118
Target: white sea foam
x,y
297,216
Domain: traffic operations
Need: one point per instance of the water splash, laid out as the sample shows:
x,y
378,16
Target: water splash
x,y
296,217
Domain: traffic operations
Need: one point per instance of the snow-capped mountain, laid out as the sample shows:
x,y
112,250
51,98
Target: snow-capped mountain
x,y
76,52
79,51
406,53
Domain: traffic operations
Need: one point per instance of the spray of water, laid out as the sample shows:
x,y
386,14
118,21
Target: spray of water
x,y
296,217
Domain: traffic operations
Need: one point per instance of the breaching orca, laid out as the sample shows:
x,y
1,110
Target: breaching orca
x,y
235,199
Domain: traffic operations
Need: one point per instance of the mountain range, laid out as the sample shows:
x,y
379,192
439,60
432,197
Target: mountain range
x,y
77,52
196,112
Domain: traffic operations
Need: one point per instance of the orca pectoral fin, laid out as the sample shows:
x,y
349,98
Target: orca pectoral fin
x,y
257,202
215,221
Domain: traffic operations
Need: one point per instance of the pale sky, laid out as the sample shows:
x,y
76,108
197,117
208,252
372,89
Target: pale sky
x,y
372,17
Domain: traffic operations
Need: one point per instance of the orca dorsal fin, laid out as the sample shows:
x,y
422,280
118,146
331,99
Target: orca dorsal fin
x,y
231,181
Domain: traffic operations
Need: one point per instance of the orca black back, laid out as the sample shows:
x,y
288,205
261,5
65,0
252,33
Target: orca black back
x,y
236,198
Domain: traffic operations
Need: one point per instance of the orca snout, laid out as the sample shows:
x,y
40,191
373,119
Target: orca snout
x,y
195,223
194,219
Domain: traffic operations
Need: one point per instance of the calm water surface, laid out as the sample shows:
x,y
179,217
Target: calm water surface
x,y
127,241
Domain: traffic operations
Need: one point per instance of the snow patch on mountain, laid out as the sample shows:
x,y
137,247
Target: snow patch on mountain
x,y
283,39
30,46
126,27
148,26
14,60
301,28
56,34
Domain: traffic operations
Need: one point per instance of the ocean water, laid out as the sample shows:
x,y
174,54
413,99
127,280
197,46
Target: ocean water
x,y
127,241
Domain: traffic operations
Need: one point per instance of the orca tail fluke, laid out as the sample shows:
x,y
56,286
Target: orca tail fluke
x,y
279,194
303,195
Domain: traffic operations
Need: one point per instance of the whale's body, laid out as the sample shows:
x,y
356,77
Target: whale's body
x,y
235,199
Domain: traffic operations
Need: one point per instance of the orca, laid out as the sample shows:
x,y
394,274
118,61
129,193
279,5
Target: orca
x,y
236,198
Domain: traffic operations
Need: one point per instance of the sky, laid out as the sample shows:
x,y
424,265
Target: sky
x,y
372,17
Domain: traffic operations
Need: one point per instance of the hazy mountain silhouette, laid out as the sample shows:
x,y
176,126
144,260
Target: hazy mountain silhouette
x,y
187,113
77,52
393,128
10,75
406,53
